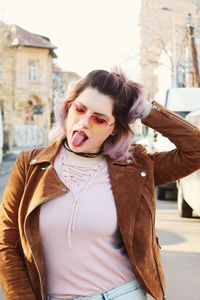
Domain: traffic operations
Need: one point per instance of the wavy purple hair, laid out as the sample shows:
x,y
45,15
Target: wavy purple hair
x,y
128,98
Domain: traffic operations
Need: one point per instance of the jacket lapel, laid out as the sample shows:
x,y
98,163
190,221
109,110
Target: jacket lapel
x,y
48,187
127,183
44,181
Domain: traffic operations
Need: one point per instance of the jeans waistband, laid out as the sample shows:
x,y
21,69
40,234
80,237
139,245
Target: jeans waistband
x,y
115,292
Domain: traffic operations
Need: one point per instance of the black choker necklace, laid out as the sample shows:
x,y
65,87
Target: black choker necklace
x,y
91,155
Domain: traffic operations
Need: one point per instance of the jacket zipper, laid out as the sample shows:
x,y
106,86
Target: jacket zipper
x,y
29,242
170,115
153,246
183,121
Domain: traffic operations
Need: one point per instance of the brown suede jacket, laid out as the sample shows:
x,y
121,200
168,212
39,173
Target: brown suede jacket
x,y
34,181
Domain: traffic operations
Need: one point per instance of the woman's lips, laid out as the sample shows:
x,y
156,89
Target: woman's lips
x,y
79,137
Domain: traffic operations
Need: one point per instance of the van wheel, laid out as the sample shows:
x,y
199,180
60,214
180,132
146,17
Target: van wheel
x,y
161,193
184,209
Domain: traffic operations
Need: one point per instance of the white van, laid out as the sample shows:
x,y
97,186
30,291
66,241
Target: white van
x,y
189,186
1,137
181,101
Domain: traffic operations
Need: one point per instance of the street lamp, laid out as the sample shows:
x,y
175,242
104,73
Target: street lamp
x,y
174,45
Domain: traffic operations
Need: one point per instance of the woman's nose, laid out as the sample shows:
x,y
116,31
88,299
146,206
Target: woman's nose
x,y
85,120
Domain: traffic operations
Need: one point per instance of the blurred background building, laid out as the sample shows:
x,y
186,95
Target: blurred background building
x,y
170,35
26,86
28,80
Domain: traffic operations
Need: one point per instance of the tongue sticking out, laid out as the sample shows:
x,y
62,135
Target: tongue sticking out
x,y
78,139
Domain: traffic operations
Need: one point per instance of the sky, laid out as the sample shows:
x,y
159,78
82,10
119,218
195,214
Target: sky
x,y
89,34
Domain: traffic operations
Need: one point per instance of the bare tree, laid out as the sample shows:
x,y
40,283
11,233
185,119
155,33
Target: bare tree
x,y
193,50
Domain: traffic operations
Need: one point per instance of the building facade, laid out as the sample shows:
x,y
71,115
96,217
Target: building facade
x,y
164,55
26,86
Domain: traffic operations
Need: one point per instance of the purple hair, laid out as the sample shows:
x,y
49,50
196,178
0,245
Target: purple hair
x,y
128,98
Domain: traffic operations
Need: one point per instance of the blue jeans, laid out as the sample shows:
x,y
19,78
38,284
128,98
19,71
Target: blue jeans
x,y
131,290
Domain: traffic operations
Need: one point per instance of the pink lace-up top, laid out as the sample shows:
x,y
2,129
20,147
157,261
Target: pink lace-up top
x,y
82,246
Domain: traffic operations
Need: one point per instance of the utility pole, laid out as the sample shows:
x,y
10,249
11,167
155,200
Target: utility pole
x,y
193,50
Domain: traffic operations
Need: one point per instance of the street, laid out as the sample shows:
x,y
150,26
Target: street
x,y
179,239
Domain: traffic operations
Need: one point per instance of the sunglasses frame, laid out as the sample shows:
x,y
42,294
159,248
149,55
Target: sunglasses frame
x,y
85,110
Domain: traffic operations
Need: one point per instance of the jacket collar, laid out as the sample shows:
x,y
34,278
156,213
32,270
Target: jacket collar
x,y
48,154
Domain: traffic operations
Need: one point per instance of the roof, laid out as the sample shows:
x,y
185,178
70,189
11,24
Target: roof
x,y
21,37
73,75
64,74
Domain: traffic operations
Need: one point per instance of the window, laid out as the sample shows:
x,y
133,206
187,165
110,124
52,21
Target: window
x,y
33,71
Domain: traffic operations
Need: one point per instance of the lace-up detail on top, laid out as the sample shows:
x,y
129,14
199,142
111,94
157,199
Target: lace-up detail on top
x,y
78,178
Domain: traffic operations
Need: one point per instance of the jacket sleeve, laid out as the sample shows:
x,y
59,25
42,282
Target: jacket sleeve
x,y
172,165
13,273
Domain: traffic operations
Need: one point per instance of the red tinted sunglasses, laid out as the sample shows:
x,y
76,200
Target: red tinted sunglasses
x,y
94,119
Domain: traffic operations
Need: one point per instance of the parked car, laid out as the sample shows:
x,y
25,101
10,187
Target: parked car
x,y
181,101
189,186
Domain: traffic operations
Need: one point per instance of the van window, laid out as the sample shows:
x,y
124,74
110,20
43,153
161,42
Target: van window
x,y
182,113
183,99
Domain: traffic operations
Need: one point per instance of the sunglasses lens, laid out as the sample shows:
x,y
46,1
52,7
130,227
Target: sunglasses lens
x,y
93,119
78,109
98,121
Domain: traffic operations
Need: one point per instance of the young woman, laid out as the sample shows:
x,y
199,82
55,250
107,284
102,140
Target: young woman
x,y
77,217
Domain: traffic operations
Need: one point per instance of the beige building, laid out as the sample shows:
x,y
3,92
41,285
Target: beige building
x,y
26,86
164,56
62,80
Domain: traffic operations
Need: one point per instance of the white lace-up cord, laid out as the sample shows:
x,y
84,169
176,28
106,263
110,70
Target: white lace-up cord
x,y
78,176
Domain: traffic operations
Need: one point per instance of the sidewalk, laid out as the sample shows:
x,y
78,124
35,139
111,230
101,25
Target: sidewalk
x,y
6,167
8,160
7,164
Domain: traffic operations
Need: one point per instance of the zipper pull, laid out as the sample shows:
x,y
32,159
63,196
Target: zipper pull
x,y
161,111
